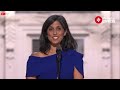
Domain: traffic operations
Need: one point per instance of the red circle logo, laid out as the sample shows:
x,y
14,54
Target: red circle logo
x,y
98,19
3,13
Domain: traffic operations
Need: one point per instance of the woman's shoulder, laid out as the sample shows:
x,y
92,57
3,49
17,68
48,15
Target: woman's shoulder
x,y
41,55
35,57
75,53
38,54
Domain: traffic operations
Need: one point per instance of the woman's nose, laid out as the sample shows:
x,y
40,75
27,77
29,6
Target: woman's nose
x,y
54,32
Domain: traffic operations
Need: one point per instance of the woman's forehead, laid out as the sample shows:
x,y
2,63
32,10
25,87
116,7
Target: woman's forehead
x,y
55,23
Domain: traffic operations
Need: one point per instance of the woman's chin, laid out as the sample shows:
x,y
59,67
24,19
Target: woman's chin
x,y
55,43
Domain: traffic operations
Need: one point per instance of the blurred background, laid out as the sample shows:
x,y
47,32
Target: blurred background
x,y
100,43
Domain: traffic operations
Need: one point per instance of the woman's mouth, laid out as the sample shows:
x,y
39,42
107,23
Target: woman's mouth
x,y
55,37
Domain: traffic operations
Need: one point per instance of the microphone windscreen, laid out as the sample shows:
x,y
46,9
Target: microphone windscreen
x,y
58,49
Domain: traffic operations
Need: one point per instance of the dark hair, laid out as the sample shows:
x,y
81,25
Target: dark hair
x,y
68,41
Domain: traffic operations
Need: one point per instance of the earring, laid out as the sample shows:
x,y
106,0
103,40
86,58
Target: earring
x,y
64,34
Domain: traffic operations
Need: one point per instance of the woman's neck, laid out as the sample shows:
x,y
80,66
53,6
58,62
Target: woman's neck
x,y
52,50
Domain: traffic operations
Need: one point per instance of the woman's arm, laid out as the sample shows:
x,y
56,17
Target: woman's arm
x,y
77,74
31,78
37,54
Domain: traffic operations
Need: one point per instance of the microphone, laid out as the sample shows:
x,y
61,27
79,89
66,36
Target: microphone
x,y
59,56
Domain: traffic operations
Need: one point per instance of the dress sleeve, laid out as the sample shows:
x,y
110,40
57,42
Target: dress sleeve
x,y
32,67
78,63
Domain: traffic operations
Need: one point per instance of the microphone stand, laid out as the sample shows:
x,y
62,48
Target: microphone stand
x,y
58,62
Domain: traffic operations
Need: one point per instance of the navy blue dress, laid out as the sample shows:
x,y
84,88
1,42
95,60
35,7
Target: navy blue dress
x,y
46,67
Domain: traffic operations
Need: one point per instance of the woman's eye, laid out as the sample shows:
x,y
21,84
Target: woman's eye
x,y
50,29
59,28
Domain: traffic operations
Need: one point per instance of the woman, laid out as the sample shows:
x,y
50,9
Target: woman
x,y
43,65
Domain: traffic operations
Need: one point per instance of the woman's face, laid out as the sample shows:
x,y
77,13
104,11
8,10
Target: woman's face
x,y
55,33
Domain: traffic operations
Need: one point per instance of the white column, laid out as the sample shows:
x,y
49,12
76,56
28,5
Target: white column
x,y
116,45
10,37
2,47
